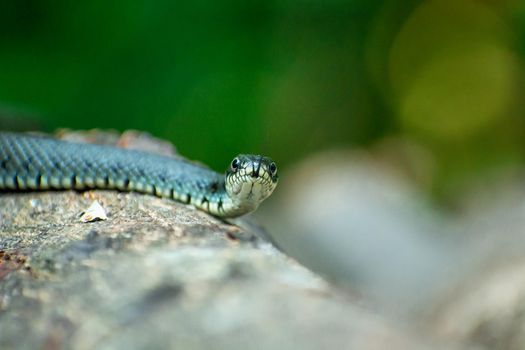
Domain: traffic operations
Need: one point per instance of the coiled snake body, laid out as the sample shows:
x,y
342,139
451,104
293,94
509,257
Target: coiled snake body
x,y
29,162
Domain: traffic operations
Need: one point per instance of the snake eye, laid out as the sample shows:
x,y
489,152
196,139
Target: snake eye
x,y
273,168
235,164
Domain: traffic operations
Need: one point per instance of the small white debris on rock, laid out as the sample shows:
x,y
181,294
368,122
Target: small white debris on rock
x,y
95,212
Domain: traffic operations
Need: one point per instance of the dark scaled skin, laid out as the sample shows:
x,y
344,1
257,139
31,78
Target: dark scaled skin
x,y
40,163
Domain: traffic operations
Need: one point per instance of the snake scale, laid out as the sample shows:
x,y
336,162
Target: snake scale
x,y
31,163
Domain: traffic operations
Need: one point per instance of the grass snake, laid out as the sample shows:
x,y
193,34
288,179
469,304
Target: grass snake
x,y
29,162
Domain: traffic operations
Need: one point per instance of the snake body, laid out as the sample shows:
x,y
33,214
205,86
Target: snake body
x,y
29,162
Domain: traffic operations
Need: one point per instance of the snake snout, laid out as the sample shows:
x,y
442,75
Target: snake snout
x,y
256,168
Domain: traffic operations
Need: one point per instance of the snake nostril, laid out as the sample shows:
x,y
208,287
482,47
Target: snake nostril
x,y
255,173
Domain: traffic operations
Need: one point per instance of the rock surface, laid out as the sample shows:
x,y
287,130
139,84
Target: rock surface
x,y
159,275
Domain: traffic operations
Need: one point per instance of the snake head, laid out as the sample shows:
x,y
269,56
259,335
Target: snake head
x,y
250,180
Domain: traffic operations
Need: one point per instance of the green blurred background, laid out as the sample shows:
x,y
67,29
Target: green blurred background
x,y
283,78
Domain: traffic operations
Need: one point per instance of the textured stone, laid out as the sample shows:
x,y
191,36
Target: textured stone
x,y
158,274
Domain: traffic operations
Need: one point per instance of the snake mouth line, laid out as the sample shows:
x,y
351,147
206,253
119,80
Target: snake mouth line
x,y
250,195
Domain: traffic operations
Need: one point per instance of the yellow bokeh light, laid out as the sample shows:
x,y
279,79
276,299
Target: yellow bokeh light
x,y
452,72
